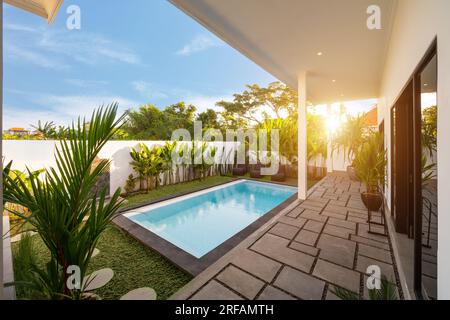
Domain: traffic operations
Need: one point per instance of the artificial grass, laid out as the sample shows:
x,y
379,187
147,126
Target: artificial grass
x,y
134,266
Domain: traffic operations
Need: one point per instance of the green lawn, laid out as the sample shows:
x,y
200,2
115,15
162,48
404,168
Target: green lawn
x,y
165,191
134,264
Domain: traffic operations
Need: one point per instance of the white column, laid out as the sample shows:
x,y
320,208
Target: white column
x,y
329,146
302,146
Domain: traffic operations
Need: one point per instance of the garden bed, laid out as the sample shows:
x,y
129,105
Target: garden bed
x,y
134,264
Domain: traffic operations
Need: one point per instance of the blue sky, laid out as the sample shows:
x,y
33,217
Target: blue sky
x,y
141,52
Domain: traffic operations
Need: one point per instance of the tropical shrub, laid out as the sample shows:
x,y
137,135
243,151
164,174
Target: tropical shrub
x,y
370,163
387,291
350,137
130,184
66,214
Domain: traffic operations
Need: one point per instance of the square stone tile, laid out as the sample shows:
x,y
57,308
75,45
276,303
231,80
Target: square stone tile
x,y
370,242
257,265
386,269
356,219
337,209
309,206
337,275
215,291
304,248
272,293
294,213
296,222
337,231
300,284
337,250
341,203
312,215
317,204
356,204
334,215
307,237
314,226
284,230
240,281
363,231
343,223
277,248
375,253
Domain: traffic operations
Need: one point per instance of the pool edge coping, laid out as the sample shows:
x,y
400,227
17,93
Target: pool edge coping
x,y
184,260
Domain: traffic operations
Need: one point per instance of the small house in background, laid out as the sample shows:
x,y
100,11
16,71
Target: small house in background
x,y
17,131
371,118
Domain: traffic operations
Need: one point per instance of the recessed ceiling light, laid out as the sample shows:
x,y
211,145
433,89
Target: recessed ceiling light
x,y
333,80
319,53
425,84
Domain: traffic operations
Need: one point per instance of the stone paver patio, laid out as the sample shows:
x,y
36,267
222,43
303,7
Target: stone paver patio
x,y
303,252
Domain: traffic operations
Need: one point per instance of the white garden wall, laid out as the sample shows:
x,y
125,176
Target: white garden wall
x,y
38,154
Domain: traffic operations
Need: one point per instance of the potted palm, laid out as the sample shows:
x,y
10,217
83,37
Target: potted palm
x,y
349,139
370,167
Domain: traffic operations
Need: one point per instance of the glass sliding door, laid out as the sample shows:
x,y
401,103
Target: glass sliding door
x,y
428,108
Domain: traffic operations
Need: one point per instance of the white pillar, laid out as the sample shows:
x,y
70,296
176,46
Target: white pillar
x,y
329,146
302,146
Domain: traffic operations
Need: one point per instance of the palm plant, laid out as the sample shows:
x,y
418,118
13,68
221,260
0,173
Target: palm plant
x,y
148,163
428,170
65,212
350,137
138,164
317,141
47,129
167,153
429,129
387,291
370,163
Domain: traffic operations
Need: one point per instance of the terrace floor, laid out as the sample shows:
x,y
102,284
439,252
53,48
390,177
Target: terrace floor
x,y
303,252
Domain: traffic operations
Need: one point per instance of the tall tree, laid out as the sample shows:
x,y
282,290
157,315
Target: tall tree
x,y
209,119
259,103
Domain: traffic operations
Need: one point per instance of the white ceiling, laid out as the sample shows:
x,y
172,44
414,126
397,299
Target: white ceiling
x,y
284,37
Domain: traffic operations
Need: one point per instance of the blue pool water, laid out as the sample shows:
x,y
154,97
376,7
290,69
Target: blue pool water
x,y
200,223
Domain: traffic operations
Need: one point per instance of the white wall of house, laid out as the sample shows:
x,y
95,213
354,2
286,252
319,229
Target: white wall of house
x,y
38,154
417,23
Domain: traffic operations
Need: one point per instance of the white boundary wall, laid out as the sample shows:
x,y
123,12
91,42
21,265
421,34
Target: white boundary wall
x,y
38,154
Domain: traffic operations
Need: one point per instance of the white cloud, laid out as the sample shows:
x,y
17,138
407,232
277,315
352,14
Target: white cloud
x,y
202,102
85,83
86,47
60,109
148,90
199,43
19,27
22,54
57,48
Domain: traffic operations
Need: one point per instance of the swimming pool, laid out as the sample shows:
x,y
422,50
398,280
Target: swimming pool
x,y
199,222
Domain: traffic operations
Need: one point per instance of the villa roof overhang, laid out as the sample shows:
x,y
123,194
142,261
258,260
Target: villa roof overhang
x,y
330,40
46,9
